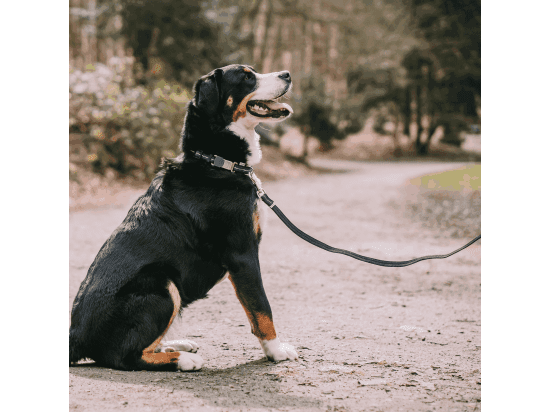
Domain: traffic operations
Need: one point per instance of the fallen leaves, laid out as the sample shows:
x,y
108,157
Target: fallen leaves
x,y
372,382
336,369
307,384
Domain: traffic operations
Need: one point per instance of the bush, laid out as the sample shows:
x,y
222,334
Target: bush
x,y
454,126
126,128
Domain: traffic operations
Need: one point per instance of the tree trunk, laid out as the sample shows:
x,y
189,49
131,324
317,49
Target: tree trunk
x,y
430,108
297,63
397,147
271,45
418,119
308,51
260,32
89,37
407,112
305,131
286,55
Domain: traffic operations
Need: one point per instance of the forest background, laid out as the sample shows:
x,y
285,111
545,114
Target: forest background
x,y
372,80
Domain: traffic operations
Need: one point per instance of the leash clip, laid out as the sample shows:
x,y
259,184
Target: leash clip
x,y
259,190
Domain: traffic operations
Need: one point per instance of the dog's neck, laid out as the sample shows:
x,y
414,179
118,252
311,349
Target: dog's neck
x,y
245,130
237,142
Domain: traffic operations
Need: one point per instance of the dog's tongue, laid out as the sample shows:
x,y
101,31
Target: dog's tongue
x,y
278,106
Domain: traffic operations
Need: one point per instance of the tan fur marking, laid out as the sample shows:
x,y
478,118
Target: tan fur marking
x,y
241,108
176,299
256,219
230,101
161,358
246,69
262,325
265,326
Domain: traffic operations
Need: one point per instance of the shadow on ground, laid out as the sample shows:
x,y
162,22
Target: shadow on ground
x,y
251,382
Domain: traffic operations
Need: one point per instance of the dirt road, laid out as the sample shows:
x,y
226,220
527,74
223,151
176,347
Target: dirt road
x,y
369,338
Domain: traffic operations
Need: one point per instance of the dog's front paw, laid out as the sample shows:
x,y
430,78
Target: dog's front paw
x,y
177,346
189,361
277,351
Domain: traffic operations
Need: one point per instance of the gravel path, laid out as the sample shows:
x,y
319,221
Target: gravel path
x,y
369,338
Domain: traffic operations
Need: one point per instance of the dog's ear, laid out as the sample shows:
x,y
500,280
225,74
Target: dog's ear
x,y
208,92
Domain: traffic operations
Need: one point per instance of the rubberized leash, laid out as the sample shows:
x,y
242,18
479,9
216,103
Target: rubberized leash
x,y
220,162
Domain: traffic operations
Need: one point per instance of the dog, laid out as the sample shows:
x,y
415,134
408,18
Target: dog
x,y
195,226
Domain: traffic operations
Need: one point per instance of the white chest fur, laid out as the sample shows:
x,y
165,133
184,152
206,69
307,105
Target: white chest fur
x,y
246,131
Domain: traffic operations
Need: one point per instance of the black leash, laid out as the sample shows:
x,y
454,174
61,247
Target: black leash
x,y
242,168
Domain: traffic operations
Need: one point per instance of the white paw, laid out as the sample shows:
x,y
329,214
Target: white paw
x,y
177,346
189,362
277,351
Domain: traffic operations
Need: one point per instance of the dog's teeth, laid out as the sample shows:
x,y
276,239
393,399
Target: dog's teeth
x,y
260,108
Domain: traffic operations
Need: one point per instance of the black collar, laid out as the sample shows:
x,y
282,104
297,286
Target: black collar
x,y
222,163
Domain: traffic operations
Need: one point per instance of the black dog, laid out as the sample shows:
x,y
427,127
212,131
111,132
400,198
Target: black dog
x,y
193,226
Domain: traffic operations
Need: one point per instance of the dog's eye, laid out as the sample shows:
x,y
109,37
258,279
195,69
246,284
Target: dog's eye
x,y
248,76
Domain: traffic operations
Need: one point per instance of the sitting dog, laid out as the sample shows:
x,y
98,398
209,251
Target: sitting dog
x,y
195,225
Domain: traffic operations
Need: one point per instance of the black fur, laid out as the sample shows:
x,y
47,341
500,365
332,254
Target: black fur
x,y
192,225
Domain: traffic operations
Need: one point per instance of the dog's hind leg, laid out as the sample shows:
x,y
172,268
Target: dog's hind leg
x,y
176,301
210,274
182,361
177,345
173,345
173,353
144,315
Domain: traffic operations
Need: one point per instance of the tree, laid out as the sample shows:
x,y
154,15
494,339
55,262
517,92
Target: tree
x,y
321,40
380,91
443,76
172,39
319,117
452,29
446,75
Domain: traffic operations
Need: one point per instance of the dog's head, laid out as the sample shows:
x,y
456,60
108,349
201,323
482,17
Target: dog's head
x,y
228,103
237,93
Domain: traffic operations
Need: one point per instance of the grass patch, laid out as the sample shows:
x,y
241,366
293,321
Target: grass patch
x,y
467,177
449,202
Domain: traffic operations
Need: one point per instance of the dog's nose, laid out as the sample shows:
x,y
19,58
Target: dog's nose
x,y
285,75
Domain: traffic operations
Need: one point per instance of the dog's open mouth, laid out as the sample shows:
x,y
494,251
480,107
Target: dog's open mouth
x,y
268,108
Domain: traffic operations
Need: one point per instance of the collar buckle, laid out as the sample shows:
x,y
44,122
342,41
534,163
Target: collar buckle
x,y
223,163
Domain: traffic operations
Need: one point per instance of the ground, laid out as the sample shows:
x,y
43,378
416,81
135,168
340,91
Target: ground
x,y
368,337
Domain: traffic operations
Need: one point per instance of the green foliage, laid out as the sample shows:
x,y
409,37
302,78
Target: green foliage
x,y
128,129
320,125
313,118
453,30
443,76
176,32
454,126
322,118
